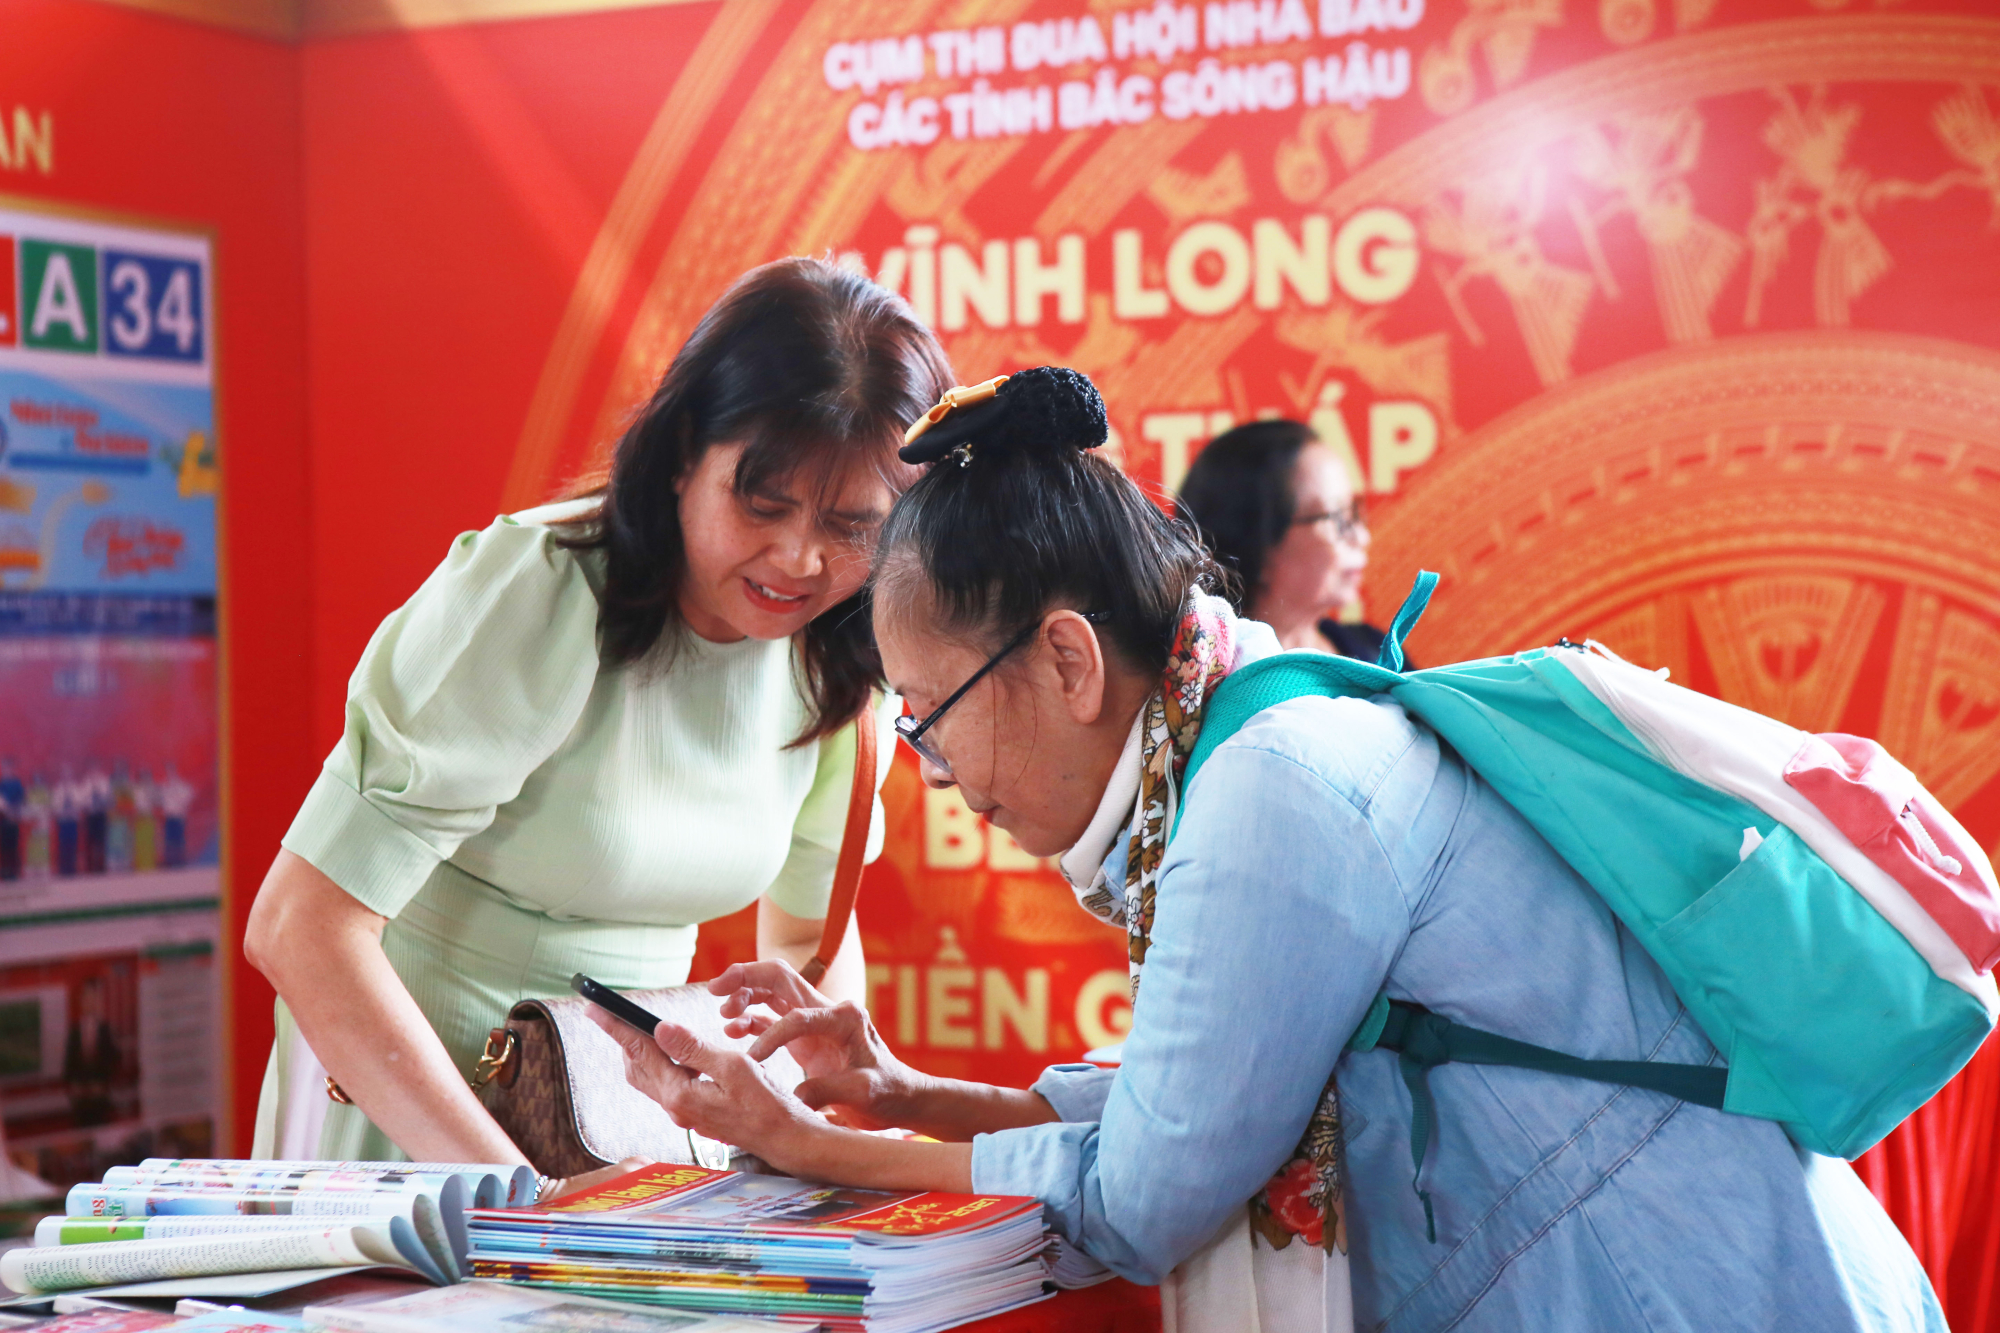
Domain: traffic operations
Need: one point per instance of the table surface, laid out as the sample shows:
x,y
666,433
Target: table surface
x,y
1116,1306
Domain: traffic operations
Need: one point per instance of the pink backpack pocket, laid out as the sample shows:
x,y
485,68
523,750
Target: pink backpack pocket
x,y
1879,805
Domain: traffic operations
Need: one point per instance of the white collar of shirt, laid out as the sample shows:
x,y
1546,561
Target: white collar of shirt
x,y
1080,864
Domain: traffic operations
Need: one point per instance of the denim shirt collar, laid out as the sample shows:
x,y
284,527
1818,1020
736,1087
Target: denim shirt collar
x,y
1082,864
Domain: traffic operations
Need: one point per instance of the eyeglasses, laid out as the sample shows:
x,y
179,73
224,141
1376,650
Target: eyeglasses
x,y
917,733
1346,522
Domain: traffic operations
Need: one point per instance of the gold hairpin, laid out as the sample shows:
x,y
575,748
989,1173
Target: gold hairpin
x,y
962,396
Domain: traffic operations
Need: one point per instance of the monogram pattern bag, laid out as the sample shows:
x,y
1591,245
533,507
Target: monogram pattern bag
x,y
557,1084
555,1081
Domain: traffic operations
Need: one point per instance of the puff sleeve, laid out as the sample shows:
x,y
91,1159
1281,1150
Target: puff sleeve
x,y
461,694
805,884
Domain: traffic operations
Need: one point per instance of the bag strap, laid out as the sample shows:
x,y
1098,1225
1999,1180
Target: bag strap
x,y
853,846
1272,680
1423,1040
1390,656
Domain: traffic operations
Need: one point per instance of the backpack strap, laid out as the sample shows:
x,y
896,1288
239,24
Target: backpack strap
x,y
1272,680
1423,1040
1390,658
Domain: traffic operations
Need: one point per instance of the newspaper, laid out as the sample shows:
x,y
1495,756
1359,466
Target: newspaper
x,y
170,1219
488,1185
433,1205
59,1231
41,1270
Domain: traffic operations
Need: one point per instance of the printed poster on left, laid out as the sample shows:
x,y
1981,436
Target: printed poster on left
x,y
110,782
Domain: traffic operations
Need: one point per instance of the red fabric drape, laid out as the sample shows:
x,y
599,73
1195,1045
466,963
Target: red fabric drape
x,y
1939,1177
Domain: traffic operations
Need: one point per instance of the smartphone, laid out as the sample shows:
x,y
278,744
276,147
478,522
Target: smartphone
x,y
613,1003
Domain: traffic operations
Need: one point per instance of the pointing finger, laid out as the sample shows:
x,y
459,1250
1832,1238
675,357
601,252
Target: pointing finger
x,y
726,980
774,982
749,1025
835,1024
741,999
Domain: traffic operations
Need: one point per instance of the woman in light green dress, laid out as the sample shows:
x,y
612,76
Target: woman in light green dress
x,y
597,725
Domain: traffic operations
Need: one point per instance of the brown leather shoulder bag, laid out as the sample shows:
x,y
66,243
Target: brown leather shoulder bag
x,y
555,1082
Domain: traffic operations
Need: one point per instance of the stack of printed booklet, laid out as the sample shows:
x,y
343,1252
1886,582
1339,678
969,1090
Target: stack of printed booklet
x,y
667,1247
848,1259
469,1307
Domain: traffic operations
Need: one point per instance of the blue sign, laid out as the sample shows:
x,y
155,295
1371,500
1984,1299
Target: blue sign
x,y
152,306
106,486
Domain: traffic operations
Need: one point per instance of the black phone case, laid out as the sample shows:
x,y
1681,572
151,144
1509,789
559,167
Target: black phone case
x,y
614,1004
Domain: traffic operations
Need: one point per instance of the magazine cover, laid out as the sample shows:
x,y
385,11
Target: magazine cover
x,y
694,1197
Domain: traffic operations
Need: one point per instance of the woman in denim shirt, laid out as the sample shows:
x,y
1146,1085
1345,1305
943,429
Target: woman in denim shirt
x,y
1051,629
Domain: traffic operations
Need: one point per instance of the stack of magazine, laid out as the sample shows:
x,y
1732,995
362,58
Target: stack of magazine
x,y
167,1219
467,1307
851,1260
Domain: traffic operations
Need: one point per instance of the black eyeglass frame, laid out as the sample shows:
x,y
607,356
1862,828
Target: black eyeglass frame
x,y
912,731
1346,522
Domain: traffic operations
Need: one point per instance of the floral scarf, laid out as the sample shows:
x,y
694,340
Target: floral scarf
x,y
1307,1197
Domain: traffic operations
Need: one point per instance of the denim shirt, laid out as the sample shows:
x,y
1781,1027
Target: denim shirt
x,y
1331,850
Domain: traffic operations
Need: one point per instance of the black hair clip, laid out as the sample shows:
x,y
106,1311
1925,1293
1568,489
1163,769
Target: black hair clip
x,y
1048,408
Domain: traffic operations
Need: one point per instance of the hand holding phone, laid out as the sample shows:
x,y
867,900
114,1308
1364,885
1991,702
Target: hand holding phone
x,y
614,1004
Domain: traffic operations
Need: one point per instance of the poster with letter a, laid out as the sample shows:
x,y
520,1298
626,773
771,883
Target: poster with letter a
x,y
110,827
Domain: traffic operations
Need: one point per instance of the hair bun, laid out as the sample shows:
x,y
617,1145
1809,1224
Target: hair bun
x,y
1050,409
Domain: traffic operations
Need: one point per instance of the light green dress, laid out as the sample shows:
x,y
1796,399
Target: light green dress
x,y
520,814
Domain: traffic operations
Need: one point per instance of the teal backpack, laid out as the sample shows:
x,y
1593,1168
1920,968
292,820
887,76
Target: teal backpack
x,y
1841,999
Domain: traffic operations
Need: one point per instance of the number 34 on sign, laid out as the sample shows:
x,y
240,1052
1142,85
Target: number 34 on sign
x,y
63,297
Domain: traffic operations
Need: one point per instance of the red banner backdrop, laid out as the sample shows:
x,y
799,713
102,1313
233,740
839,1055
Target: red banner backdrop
x,y
1676,325
1671,322
1674,322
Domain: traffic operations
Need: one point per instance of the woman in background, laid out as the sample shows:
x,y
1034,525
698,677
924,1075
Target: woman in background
x,y
597,724
1278,510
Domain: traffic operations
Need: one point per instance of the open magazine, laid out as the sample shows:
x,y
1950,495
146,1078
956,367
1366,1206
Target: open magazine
x,y
489,1186
68,1268
184,1219
696,1239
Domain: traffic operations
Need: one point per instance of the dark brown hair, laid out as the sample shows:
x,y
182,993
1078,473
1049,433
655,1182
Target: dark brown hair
x,y
1026,518
811,368
1239,496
